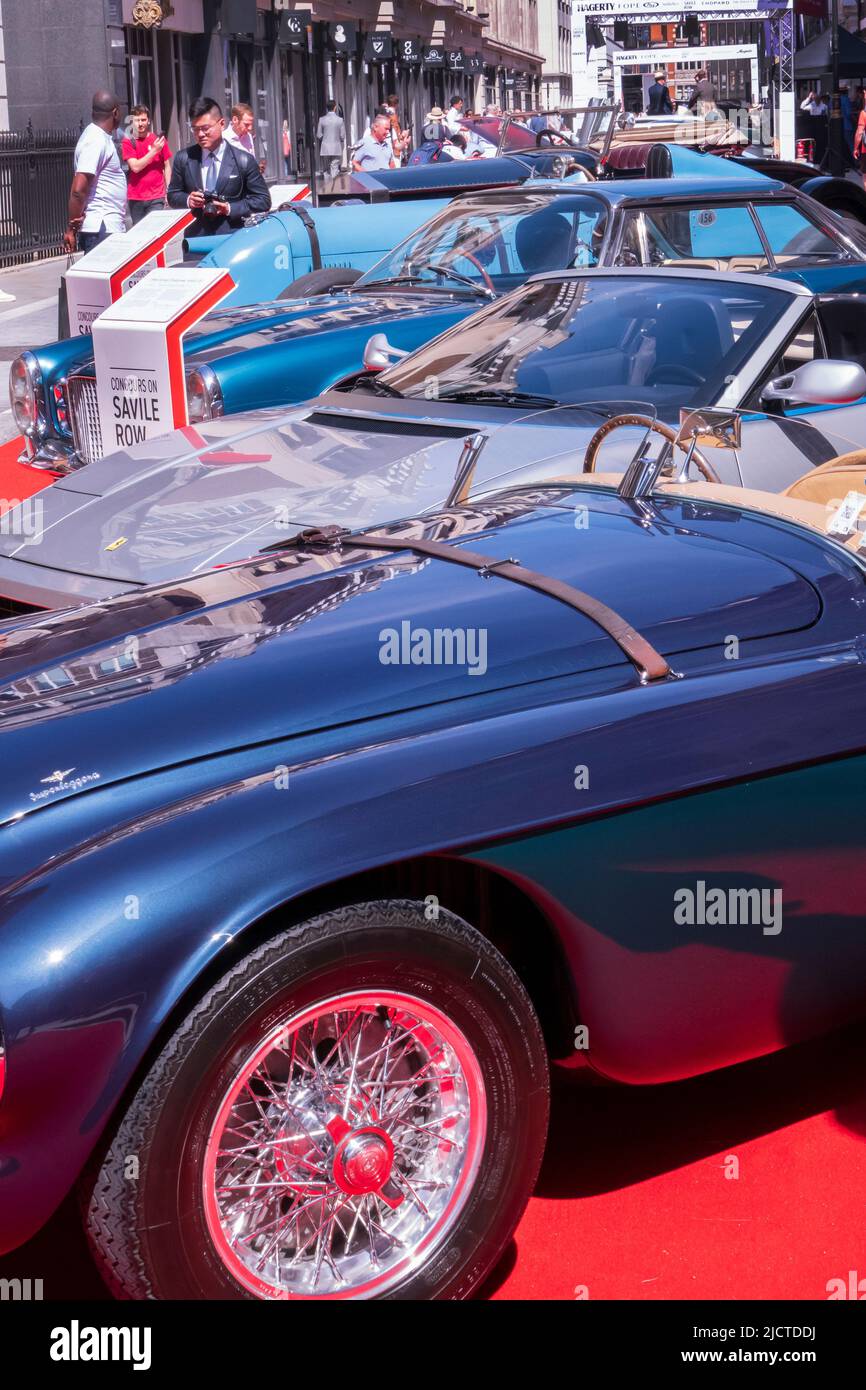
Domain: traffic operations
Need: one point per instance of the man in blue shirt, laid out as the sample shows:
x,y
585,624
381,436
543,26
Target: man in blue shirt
x,y
375,150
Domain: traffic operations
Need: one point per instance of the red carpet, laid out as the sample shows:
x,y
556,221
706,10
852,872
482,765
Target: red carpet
x,y
17,482
633,1201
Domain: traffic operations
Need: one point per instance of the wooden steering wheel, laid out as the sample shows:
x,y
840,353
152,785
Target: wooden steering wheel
x,y
468,256
644,422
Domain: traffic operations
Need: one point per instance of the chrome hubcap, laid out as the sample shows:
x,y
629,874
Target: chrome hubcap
x,y
345,1148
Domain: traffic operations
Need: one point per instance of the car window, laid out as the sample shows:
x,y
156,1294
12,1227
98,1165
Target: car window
x,y
792,236
677,339
804,346
712,238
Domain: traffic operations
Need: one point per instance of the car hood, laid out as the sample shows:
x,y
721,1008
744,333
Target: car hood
x,y
223,491
297,643
228,331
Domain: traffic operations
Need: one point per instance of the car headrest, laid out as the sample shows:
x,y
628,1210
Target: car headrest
x,y
543,241
659,164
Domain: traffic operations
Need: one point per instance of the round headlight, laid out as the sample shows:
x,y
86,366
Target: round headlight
x,y
204,398
24,378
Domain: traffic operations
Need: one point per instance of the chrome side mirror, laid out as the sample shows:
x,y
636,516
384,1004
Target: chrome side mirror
x,y
822,382
710,428
379,353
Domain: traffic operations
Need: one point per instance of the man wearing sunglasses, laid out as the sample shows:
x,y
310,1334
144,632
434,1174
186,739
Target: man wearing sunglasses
x,y
219,182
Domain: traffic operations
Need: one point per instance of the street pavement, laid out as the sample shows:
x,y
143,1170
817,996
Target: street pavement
x,y
27,322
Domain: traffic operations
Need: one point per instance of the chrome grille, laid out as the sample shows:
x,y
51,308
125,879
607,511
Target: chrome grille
x,y
84,418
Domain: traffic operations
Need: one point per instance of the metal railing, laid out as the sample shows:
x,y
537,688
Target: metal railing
x,y
35,176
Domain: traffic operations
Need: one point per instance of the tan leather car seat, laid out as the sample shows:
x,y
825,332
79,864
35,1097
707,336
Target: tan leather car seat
x,y
831,481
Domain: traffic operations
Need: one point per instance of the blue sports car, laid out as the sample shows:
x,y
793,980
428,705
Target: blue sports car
x,y
475,248
311,866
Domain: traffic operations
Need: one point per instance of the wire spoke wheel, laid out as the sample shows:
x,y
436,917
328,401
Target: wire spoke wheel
x,y
345,1148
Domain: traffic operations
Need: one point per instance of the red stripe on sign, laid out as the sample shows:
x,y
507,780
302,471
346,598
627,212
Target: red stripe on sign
x,y
192,436
174,343
304,193
147,254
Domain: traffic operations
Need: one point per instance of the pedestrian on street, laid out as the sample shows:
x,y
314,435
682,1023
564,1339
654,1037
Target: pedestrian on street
x,y
374,150
815,104
220,182
860,144
454,115
434,128
241,131
148,159
331,135
704,99
848,117
97,198
659,98
400,139
287,150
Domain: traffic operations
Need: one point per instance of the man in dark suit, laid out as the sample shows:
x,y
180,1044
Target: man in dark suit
x,y
659,103
219,182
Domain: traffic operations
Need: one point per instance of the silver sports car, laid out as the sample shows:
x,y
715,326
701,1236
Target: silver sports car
x,y
562,376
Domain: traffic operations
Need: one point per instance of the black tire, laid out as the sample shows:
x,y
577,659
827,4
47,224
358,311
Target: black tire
x,y
321,282
151,1237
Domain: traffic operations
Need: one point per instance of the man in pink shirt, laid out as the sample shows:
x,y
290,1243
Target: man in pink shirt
x,y
149,161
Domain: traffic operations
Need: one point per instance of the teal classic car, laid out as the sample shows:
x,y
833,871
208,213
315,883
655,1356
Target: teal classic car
x,y
478,247
302,249
251,357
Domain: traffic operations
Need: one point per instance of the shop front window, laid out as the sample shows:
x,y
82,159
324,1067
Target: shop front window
x,y
139,68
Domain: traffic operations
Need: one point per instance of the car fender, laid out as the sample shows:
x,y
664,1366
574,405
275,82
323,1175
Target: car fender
x,y
301,368
264,259
840,195
152,880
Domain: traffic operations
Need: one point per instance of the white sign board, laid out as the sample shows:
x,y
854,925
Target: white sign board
x,y
288,193
138,352
658,9
651,58
694,57
119,262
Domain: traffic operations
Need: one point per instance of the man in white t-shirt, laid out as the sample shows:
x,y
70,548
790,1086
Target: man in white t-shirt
x,y
454,115
97,198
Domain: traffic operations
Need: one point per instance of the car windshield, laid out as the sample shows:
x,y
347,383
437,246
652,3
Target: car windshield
x,y
665,340
495,242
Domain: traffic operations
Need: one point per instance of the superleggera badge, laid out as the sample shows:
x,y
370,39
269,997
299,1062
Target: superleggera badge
x,y
115,545
60,781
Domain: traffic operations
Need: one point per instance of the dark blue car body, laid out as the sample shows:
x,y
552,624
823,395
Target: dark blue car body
x,y
144,848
